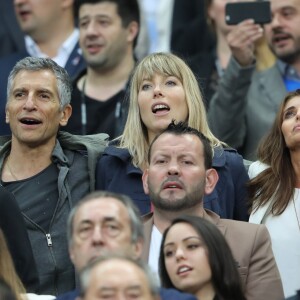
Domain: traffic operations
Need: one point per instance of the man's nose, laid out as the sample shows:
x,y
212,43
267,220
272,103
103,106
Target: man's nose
x,y
97,236
92,28
30,103
275,22
173,168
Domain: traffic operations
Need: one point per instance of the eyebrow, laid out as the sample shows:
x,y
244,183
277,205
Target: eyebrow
x,y
105,288
113,289
134,287
184,240
41,90
289,109
105,219
94,16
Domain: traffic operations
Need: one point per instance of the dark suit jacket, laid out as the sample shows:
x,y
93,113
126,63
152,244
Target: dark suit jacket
x,y
11,36
251,248
245,105
74,66
165,294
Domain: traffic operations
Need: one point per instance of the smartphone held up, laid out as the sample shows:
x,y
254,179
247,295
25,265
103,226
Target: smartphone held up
x,y
259,11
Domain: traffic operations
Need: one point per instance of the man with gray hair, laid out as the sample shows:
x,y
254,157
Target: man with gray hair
x,y
118,277
104,222
46,170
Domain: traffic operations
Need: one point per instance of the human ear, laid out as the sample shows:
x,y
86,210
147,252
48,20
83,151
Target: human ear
x,y
212,178
66,114
145,181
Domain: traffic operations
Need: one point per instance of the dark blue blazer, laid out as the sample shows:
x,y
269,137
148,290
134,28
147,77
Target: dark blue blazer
x,y
116,173
11,35
165,294
74,66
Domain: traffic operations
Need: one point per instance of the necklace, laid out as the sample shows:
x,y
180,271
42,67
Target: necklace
x,y
11,172
296,214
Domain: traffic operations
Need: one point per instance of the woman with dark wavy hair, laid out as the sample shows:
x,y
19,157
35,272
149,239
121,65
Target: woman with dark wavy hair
x,y
274,190
195,258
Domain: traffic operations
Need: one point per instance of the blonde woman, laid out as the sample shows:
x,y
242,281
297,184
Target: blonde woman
x,y
163,88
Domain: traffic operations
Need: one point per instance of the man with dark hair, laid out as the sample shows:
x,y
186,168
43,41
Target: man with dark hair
x,y
178,176
245,103
46,170
108,34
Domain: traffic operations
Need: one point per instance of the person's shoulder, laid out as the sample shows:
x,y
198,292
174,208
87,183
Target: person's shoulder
x,y
113,152
242,228
31,296
171,294
7,62
68,295
82,142
256,168
232,155
6,65
265,72
14,57
148,218
228,157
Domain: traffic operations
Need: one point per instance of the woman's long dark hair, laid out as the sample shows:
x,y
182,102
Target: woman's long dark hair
x,y
278,181
225,277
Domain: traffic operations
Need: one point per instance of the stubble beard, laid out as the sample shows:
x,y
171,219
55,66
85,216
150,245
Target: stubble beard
x,y
289,56
174,204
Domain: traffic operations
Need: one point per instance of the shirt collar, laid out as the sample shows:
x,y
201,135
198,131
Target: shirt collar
x,y
287,70
63,52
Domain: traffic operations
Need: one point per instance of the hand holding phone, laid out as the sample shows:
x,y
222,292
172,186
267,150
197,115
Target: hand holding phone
x,y
241,40
259,11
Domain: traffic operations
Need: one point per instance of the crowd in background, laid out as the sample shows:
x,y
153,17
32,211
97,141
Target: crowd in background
x,y
148,150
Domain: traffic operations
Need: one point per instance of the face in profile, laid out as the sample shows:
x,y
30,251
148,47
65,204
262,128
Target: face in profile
x,y
186,260
291,122
161,99
100,226
118,279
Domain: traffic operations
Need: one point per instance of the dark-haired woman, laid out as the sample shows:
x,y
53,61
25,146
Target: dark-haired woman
x,y
195,258
275,190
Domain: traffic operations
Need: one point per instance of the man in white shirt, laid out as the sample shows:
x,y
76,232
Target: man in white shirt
x,y
49,28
